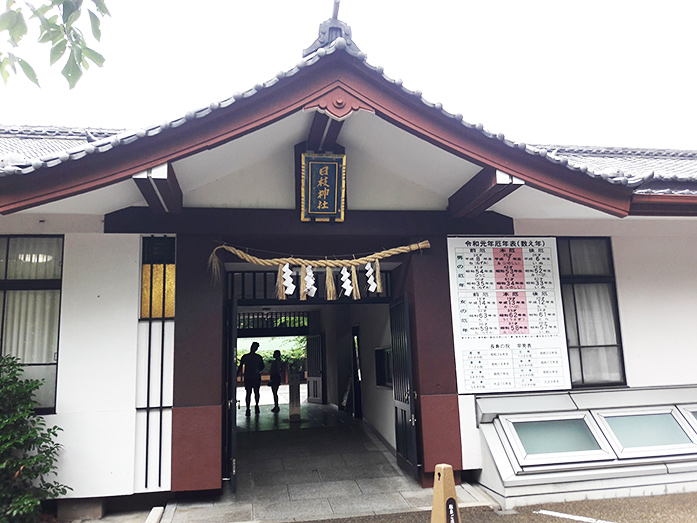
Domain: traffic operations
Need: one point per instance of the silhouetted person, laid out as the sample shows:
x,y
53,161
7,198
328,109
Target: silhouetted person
x,y
275,375
252,364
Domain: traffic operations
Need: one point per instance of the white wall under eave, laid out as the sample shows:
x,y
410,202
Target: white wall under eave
x,y
378,402
95,403
35,222
249,187
370,186
656,279
657,293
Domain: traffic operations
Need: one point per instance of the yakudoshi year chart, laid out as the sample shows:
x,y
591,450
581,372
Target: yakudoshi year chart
x,y
507,314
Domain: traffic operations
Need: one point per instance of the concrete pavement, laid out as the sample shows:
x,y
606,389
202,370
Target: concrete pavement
x,y
672,508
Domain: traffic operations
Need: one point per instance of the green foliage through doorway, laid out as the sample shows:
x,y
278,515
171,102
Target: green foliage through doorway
x,y
292,349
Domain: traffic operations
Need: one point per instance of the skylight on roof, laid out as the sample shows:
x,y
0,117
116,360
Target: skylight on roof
x,y
644,432
565,437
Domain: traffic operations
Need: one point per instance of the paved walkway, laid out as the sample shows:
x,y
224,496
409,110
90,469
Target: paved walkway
x,y
328,466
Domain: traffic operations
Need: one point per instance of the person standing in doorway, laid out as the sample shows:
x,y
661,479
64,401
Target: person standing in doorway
x,y
251,364
275,375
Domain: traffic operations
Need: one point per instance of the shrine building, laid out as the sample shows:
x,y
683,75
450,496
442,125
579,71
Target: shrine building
x,y
521,312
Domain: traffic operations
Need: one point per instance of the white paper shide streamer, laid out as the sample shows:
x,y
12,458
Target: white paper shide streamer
x,y
288,279
370,275
346,281
310,287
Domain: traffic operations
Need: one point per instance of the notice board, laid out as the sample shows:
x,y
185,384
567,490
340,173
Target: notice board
x,y
508,318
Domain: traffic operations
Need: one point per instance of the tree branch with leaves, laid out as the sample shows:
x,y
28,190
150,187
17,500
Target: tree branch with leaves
x,y
60,24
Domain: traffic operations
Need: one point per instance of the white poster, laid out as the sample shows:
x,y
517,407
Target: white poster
x,y
508,319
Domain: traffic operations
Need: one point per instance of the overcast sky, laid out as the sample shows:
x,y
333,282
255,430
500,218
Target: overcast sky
x,y
610,72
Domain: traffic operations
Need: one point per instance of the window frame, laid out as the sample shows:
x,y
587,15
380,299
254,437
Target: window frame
x,y
9,285
603,453
647,451
573,280
686,411
383,360
152,256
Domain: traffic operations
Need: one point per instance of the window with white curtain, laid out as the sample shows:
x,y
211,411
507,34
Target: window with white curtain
x,y
590,311
30,287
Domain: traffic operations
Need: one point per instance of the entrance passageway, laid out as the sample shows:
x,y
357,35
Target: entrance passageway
x,y
329,465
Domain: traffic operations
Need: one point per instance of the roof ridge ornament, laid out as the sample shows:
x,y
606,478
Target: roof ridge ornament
x,y
331,30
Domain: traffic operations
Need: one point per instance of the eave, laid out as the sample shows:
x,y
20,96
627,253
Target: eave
x,y
337,84
663,205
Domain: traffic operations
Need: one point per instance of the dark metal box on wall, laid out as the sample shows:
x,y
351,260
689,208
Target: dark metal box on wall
x,y
323,187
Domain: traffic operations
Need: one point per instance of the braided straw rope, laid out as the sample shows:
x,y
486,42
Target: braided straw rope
x,y
215,264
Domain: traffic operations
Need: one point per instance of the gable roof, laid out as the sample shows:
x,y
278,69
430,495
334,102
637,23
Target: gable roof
x,y
108,140
659,171
332,69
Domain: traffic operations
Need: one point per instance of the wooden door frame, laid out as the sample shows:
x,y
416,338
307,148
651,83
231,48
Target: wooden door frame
x,y
404,395
229,450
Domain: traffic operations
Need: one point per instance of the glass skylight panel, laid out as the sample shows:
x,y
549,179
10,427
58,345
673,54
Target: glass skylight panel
x,y
690,414
648,432
541,439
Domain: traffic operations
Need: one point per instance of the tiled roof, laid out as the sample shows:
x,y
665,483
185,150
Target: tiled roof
x,y
629,167
662,171
24,145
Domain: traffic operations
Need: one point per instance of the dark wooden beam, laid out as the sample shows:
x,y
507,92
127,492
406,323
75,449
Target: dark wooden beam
x,y
481,192
148,191
160,188
332,136
316,133
170,191
253,223
663,205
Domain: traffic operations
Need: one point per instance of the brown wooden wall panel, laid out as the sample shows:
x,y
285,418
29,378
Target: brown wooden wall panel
x,y
196,449
431,323
440,431
198,334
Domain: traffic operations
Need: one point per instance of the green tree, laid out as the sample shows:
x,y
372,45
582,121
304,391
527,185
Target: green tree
x,y
28,450
59,24
292,349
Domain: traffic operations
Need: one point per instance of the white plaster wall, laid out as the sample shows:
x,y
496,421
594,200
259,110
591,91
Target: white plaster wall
x,y
378,402
95,403
469,433
35,222
369,185
657,294
249,187
656,278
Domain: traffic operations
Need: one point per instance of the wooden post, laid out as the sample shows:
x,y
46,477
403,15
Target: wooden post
x,y
445,508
